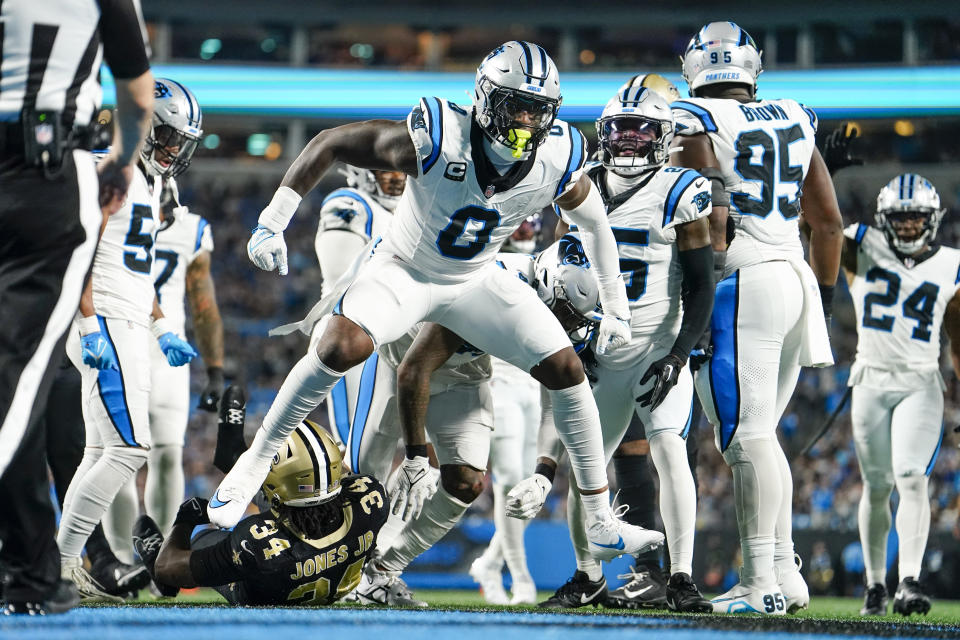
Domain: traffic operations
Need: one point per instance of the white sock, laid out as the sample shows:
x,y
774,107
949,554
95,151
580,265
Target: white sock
x,y
873,517
510,536
578,425
492,556
757,495
92,493
164,490
592,568
440,513
783,533
307,384
678,498
913,523
119,518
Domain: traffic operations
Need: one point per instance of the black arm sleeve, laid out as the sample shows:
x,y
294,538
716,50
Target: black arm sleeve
x,y
124,38
213,566
697,293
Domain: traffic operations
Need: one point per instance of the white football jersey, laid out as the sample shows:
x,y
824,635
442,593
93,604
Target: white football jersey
x,y
456,213
764,150
122,267
178,245
644,220
349,209
900,305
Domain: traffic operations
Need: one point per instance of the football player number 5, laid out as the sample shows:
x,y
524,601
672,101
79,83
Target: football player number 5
x,y
468,232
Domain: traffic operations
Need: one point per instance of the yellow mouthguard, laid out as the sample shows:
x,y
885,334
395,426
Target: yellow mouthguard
x,y
519,138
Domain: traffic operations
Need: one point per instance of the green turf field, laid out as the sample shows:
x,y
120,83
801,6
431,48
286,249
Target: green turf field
x,y
822,609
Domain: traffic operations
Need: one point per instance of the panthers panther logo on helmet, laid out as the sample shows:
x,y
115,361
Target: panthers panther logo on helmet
x,y
175,132
516,98
905,199
565,283
721,52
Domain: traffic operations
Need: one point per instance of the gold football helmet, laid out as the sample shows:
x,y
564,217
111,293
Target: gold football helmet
x,y
307,469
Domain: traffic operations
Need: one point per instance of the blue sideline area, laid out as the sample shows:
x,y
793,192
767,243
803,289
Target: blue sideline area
x,y
549,556
176,623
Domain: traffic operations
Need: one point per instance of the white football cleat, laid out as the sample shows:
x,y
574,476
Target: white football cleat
x,y
237,489
794,587
88,588
610,537
490,581
745,598
385,588
524,592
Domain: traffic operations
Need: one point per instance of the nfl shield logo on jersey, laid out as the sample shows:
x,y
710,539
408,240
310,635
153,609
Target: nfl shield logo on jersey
x,y
489,191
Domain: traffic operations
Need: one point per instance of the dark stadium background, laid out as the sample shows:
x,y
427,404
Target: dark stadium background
x,y
239,166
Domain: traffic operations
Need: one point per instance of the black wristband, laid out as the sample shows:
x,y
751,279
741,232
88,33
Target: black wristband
x,y
826,298
416,451
546,471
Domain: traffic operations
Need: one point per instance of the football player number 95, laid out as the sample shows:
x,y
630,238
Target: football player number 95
x,y
466,222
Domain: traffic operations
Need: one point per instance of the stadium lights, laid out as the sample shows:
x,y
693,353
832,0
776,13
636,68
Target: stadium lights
x,y
888,92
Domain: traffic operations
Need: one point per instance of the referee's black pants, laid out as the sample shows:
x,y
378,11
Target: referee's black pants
x,y
48,234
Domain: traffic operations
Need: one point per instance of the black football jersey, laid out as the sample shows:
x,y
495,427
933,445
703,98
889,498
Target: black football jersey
x,y
268,563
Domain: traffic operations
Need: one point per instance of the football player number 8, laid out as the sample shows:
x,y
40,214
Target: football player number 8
x,y
466,223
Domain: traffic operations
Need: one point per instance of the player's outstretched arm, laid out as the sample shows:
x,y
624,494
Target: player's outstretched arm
x,y
207,327
433,346
374,144
583,205
951,324
822,213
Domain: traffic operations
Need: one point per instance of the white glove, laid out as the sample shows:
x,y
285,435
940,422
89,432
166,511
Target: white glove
x,y
415,485
267,250
614,333
527,497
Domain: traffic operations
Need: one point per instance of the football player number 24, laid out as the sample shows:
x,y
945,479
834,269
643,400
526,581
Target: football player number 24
x,y
917,307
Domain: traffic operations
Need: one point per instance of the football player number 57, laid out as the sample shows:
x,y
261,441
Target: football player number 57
x,y
468,232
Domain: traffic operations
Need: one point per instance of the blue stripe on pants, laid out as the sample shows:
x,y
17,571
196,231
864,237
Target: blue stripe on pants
x,y
368,379
113,395
936,452
724,383
341,409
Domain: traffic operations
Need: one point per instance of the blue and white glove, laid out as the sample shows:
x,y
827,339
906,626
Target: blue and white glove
x,y
178,351
268,250
614,332
95,349
266,247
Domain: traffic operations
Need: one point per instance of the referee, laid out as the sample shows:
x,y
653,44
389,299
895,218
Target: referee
x,y
51,203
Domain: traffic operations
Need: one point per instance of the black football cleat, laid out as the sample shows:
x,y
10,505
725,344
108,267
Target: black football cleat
x,y
119,578
910,598
875,601
147,541
61,598
578,591
233,414
683,595
645,589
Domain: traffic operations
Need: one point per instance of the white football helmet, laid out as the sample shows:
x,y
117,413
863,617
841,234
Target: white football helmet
x,y
566,284
366,181
721,52
176,130
635,130
515,78
906,198
654,82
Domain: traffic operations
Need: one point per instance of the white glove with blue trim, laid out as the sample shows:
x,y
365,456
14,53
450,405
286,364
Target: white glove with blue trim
x,y
266,247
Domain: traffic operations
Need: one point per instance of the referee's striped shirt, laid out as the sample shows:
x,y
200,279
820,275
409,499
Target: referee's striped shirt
x,y
52,51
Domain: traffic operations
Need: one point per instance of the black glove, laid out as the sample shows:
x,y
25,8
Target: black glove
x,y
666,370
210,395
836,148
192,512
702,351
589,361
